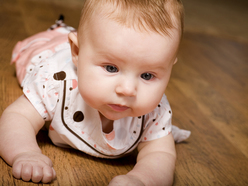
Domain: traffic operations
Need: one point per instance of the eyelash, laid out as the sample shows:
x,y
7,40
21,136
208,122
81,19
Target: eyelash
x,y
144,76
113,69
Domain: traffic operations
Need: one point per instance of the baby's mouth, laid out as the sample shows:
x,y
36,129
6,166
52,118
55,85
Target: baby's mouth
x,y
118,108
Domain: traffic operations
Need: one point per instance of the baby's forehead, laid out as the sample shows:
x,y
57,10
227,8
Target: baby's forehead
x,y
108,38
107,28
170,35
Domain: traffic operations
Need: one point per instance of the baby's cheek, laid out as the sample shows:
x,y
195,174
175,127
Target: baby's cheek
x,y
151,95
86,95
147,105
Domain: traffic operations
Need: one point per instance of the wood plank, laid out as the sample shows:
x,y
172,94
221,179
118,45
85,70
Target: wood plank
x,y
200,86
207,156
227,64
208,95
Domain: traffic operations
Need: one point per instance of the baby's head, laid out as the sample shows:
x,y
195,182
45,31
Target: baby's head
x,y
124,52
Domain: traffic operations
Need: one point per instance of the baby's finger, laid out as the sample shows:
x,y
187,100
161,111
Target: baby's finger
x,y
49,174
54,173
16,170
47,160
27,170
37,174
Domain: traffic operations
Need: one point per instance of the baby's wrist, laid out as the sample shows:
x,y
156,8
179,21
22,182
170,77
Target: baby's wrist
x,y
126,180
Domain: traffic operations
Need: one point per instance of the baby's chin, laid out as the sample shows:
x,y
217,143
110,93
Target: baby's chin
x,y
113,116
118,116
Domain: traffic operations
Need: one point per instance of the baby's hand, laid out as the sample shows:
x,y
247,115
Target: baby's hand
x,y
124,180
33,166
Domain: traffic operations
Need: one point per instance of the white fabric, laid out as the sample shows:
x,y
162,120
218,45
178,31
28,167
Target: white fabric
x,y
51,86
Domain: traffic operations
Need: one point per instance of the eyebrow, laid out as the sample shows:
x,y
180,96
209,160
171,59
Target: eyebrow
x,y
110,55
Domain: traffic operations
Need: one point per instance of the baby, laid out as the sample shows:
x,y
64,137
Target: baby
x,y
103,91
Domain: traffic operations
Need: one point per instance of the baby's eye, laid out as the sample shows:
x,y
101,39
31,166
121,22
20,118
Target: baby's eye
x,y
111,69
147,76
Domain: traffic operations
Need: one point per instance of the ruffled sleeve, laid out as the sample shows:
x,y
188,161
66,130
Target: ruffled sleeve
x,y
158,122
42,87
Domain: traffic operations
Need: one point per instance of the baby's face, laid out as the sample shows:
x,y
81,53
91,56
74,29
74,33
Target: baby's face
x,y
123,72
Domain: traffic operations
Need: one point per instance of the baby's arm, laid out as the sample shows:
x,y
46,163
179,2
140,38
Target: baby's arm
x,y
19,124
155,164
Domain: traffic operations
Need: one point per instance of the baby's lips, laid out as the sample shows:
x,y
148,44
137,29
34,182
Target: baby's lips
x,y
118,108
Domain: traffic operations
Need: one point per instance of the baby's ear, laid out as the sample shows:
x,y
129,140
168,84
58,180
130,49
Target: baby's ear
x,y
74,47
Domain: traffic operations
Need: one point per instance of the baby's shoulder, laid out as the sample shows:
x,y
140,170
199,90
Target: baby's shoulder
x,y
162,113
57,66
163,106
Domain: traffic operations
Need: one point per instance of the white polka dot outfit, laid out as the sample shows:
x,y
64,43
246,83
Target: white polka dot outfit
x,y
50,84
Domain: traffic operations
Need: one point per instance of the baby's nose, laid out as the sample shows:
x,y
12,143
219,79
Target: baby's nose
x,y
127,88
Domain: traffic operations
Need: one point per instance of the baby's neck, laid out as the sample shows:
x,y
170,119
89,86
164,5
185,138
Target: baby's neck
x,y
107,125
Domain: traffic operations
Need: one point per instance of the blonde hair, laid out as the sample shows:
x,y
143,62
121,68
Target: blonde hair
x,y
149,15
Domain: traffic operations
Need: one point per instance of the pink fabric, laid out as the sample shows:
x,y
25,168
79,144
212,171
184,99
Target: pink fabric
x,y
25,50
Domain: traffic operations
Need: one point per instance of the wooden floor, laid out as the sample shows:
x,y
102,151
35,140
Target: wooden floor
x,y
208,93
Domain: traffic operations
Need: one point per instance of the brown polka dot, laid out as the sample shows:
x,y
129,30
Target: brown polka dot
x,y
163,128
78,116
71,89
134,132
43,86
154,120
139,117
170,111
66,108
59,75
159,105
